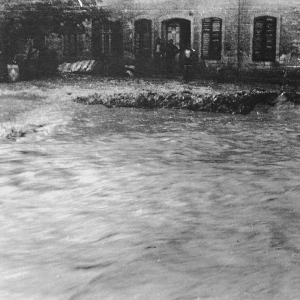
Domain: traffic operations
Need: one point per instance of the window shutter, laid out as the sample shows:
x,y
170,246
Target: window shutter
x,y
216,39
211,38
143,37
270,41
137,37
206,32
258,39
264,39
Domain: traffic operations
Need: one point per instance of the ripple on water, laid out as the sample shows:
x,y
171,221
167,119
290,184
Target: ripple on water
x,y
162,204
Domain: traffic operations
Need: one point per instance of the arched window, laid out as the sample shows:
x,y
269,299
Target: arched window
x,y
143,37
211,38
264,39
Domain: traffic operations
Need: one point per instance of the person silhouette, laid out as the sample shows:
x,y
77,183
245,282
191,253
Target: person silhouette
x,y
171,51
188,55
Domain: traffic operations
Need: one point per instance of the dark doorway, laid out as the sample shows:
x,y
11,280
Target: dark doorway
x,y
179,30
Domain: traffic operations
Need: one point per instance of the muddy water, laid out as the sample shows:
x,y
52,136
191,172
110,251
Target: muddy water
x,y
152,204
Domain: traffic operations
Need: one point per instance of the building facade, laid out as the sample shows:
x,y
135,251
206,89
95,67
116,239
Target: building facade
x,y
243,35
99,36
237,35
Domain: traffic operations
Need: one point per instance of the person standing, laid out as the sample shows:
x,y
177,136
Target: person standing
x,y
170,52
158,53
188,56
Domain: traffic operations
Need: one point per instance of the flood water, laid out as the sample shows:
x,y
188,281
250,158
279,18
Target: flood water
x,y
152,204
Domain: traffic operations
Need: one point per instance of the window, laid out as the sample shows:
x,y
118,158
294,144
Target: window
x,y
211,38
70,45
71,40
143,38
107,39
264,39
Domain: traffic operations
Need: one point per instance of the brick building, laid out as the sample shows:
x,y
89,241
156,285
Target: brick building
x,y
246,35
237,35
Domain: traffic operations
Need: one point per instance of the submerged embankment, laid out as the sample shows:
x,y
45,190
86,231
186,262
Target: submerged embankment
x,y
19,99
241,102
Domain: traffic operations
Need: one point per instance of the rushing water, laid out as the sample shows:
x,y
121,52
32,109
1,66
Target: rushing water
x,y
152,204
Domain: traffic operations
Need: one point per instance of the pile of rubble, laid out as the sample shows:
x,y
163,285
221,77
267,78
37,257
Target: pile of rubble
x,y
232,103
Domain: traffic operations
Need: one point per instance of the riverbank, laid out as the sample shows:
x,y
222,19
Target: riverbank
x,y
29,106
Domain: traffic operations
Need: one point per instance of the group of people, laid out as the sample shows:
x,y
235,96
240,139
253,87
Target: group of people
x,y
167,53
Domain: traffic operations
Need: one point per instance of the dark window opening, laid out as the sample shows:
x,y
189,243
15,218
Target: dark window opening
x,y
264,39
143,40
179,30
107,40
211,39
70,46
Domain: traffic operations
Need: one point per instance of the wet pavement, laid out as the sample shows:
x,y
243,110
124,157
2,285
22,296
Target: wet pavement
x,y
124,203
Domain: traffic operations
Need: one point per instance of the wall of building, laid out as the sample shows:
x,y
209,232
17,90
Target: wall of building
x,y
288,31
237,29
159,11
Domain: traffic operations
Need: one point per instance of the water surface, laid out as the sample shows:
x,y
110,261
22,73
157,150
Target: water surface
x,y
151,204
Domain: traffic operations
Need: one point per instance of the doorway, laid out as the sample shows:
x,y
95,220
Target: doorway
x,y
179,30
